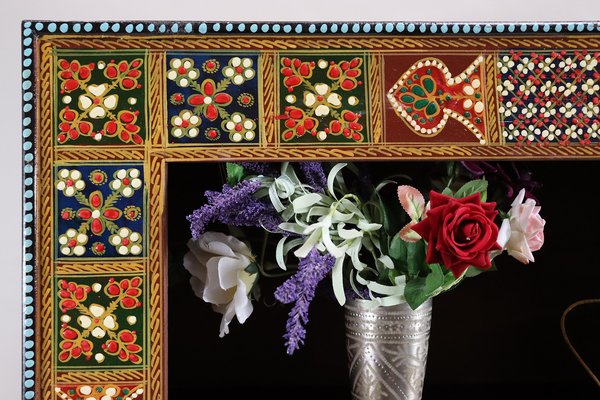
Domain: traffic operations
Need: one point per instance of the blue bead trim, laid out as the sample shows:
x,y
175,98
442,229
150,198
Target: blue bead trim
x,y
29,29
266,28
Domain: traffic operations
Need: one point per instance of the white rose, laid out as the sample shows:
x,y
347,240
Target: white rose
x,y
217,263
523,232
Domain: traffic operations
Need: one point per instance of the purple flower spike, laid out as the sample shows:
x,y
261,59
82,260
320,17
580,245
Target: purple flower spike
x,y
234,206
260,168
314,175
300,289
478,168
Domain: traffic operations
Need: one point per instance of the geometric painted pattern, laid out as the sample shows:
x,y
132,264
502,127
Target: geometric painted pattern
x,y
100,98
549,96
100,211
323,98
99,392
213,98
100,321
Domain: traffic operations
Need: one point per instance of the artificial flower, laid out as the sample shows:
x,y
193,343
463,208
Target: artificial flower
x,y
333,222
217,263
460,232
525,232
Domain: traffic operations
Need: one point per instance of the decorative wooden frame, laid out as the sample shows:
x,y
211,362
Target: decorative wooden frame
x,y
502,58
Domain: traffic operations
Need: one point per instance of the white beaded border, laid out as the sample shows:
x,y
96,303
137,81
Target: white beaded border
x,y
434,62
169,27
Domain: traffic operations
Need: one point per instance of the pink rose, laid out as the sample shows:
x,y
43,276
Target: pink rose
x,y
523,232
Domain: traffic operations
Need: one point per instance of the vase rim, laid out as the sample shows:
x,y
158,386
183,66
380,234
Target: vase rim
x,y
363,302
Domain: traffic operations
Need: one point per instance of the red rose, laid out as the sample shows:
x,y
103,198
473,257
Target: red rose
x,y
460,232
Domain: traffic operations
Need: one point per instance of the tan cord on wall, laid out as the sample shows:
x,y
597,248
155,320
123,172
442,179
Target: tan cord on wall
x,y
566,337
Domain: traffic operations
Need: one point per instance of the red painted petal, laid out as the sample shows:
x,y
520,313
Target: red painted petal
x,y
97,226
222,98
96,199
84,213
208,87
112,213
211,112
196,100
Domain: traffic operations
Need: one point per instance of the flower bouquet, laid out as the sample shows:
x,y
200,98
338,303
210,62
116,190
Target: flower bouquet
x,y
384,244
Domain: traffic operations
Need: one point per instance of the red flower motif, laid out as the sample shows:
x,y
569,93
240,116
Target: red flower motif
x,y
295,72
73,345
71,294
346,72
71,126
297,123
210,99
460,232
124,347
98,214
72,74
128,290
126,73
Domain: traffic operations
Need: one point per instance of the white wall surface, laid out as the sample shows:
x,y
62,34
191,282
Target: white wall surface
x,y
13,11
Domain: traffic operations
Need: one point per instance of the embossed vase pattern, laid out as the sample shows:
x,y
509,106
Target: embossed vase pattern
x,y
387,350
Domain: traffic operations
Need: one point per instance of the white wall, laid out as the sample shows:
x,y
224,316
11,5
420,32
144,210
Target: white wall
x,y
13,11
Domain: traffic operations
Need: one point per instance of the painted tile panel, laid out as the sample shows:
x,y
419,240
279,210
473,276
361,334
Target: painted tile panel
x,y
99,211
437,99
213,98
549,96
323,98
101,321
100,98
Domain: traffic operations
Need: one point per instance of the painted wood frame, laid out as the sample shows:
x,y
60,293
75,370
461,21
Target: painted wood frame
x,y
108,105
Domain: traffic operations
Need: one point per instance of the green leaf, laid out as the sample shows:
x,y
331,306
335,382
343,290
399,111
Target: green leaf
x,y
398,250
251,269
449,279
448,192
418,290
420,104
471,187
429,85
415,257
407,99
431,109
392,274
472,271
418,90
235,173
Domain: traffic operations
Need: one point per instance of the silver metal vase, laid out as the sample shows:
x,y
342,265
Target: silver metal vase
x,y
387,350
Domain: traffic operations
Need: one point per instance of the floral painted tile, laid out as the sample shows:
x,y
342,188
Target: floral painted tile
x,y
213,98
100,392
549,97
101,98
99,211
100,321
323,98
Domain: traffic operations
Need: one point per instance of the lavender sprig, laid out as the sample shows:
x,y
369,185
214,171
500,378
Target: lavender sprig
x,y
300,289
234,206
314,175
259,168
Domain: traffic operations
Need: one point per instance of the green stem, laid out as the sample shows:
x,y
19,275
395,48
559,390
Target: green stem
x,y
263,272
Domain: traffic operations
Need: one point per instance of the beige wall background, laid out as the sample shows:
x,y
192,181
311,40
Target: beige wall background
x,y
13,11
